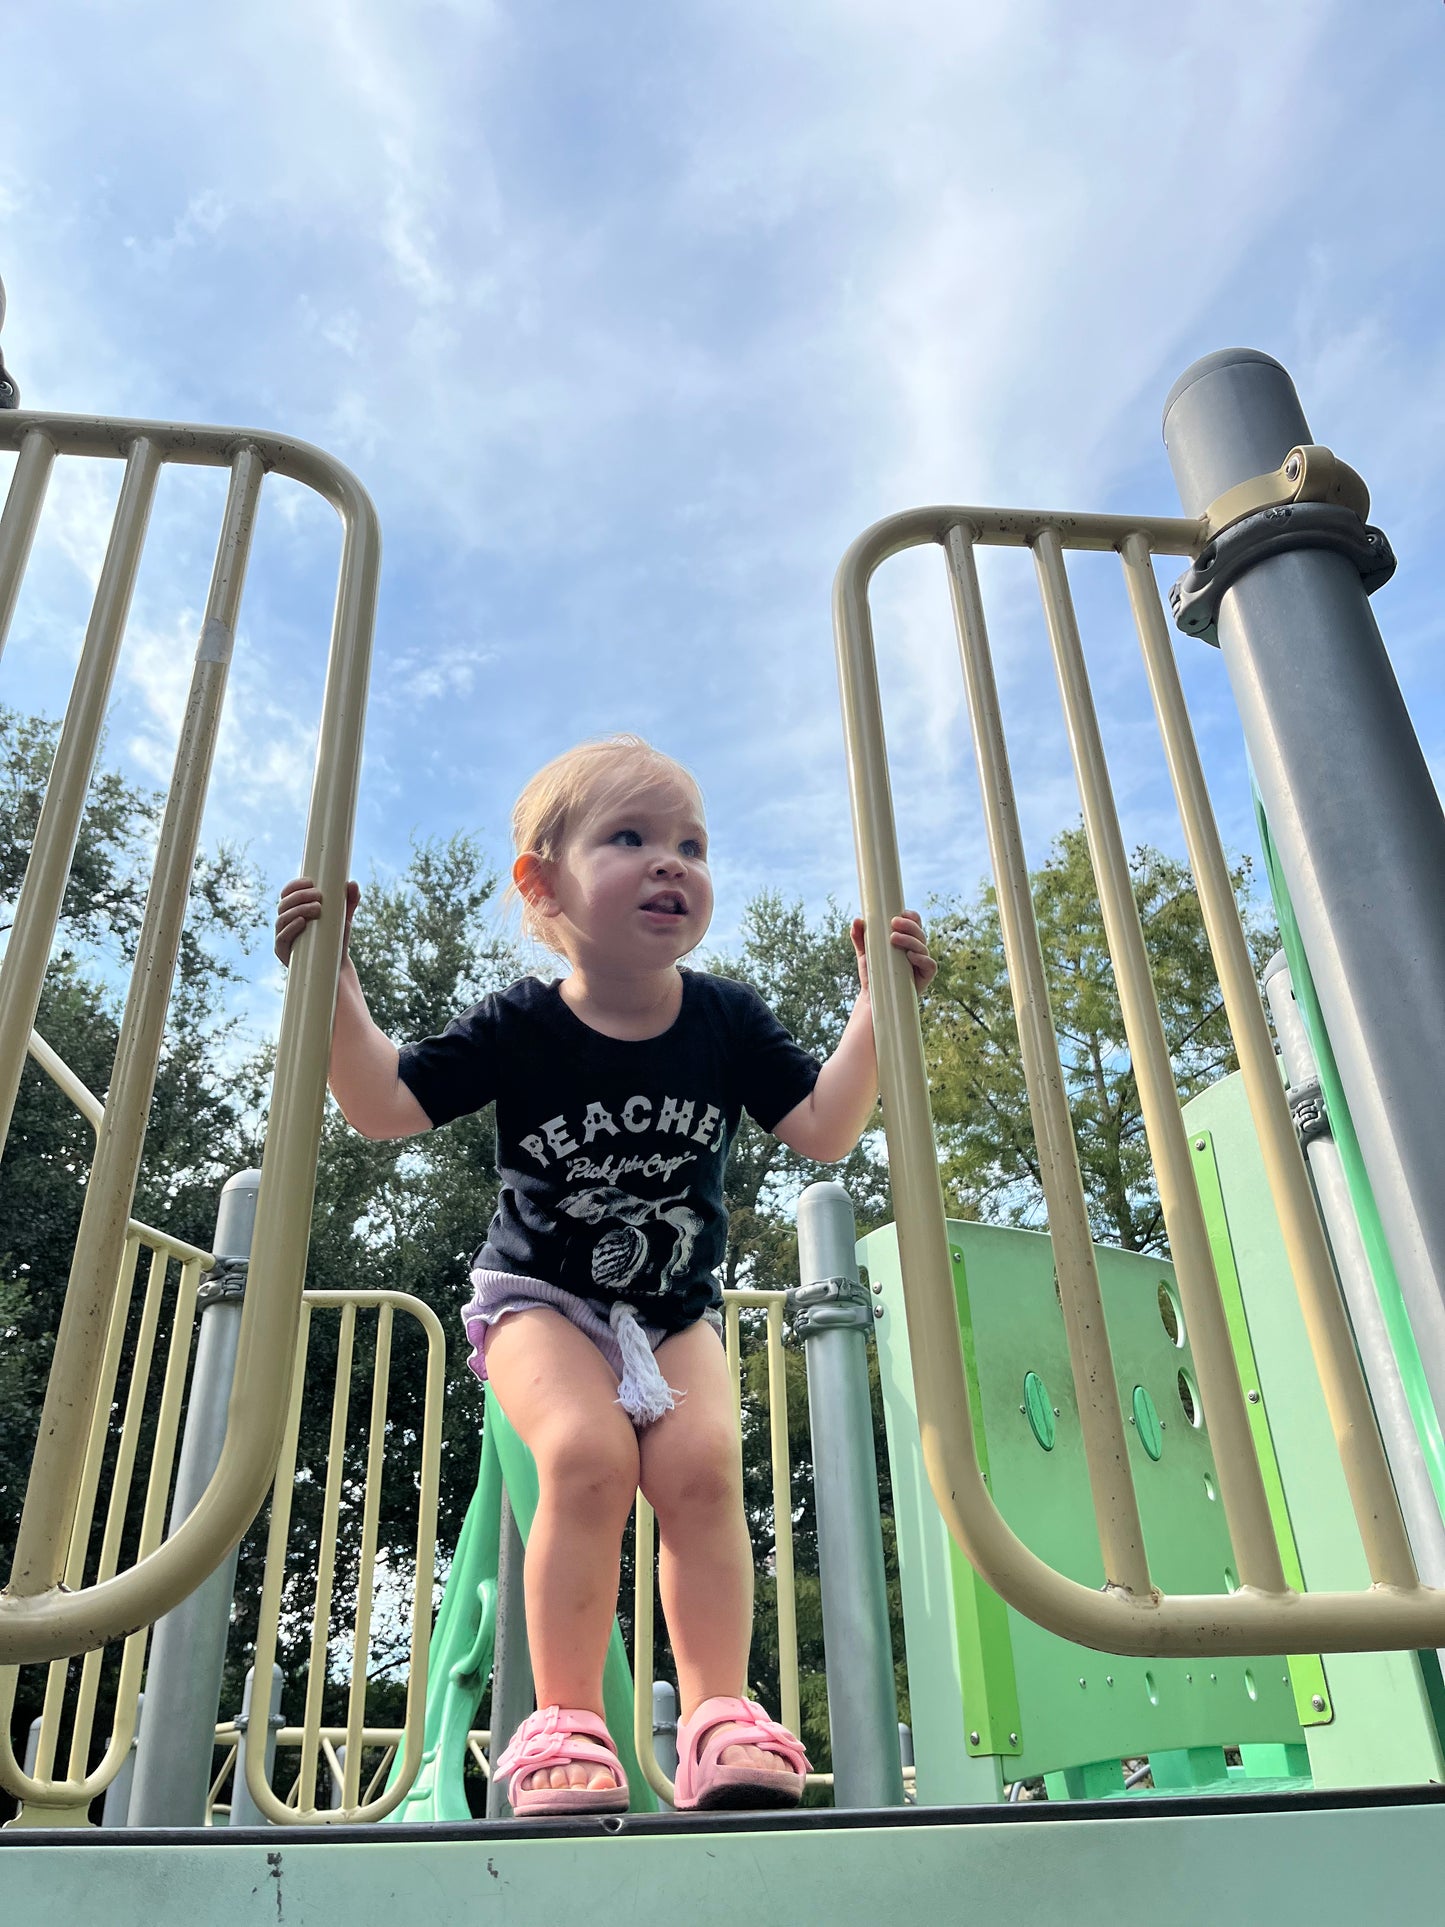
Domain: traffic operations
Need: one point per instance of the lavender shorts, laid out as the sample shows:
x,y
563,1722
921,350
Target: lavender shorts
x,y
495,1293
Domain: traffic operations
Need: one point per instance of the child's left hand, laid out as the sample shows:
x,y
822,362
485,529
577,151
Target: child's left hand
x,y
905,934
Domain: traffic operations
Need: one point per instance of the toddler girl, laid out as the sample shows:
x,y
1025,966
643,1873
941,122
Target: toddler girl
x,y
595,1301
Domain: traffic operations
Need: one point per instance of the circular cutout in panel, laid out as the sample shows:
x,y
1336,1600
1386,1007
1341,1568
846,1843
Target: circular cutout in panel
x,y
1231,1584
1151,1688
1189,1399
1040,1409
1170,1316
1146,1423
1249,1685
1209,1487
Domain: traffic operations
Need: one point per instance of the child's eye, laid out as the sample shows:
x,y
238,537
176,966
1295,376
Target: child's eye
x,y
628,838
691,847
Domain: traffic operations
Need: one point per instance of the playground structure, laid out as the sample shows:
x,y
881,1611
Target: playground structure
x,y
1264,1561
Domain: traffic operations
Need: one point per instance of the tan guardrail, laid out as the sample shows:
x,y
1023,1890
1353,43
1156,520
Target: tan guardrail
x,y
313,1733
41,1618
1129,1615
56,1799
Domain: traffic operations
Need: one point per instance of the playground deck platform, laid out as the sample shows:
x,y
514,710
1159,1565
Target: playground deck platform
x,y
1316,1857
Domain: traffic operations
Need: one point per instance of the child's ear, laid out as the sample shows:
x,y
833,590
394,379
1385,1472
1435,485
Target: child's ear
x,y
533,879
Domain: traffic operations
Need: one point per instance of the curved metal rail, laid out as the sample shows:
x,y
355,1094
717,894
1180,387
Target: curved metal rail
x,y
40,1618
1129,1615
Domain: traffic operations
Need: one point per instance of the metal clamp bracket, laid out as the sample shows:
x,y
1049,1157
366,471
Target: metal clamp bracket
x,y
225,1279
1196,596
830,1304
1309,473
1307,1109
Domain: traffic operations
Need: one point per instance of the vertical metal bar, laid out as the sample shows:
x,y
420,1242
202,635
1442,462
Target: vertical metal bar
x,y
1101,1419
1353,811
188,1648
274,1577
22,514
1241,1486
664,1726
38,909
784,1576
326,1559
659,1776
116,1811
857,1638
118,1148
1418,1503
512,1696
119,1503
371,1514
1347,1400
244,1811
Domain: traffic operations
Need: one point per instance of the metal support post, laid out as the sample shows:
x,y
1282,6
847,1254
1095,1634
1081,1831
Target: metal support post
x,y
188,1647
664,1725
244,1811
511,1662
1351,806
833,1316
1418,1503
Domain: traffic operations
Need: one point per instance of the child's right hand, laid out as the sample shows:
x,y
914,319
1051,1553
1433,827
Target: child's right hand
x,y
301,904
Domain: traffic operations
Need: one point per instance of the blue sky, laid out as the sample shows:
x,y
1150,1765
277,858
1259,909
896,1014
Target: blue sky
x,y
631,317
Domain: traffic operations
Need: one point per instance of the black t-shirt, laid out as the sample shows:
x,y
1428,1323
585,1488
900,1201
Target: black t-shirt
x,y
611,1152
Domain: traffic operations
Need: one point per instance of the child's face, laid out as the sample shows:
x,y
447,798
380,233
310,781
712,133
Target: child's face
x,y
632,888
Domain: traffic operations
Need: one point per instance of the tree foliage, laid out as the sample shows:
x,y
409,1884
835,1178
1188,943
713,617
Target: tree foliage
x,y
980,1105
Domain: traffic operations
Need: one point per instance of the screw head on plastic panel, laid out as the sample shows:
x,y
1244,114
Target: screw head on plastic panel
x,y
877,1311
1317,1701
973,1739
1253,1397
1013,1739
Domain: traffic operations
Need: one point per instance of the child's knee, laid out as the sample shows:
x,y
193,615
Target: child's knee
x,y
591,1468
701,1473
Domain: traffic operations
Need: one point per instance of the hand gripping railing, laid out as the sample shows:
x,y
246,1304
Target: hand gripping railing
x,y
1129,1614
39,1618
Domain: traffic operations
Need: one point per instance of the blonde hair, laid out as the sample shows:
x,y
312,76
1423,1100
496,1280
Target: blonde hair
x,y
591,776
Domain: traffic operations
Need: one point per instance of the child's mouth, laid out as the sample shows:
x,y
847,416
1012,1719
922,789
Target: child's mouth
x,y
666,905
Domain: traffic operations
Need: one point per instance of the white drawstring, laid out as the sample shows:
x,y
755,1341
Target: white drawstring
x,y
643,1393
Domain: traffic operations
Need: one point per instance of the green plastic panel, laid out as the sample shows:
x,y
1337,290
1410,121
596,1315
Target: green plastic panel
x,y
1038,1702
1384,1731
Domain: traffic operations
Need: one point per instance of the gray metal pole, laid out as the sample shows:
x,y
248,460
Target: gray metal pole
x,y
833,1316
1377,1355
664,1725
1352,811
512,1699
188,1647
116,1811
244,1811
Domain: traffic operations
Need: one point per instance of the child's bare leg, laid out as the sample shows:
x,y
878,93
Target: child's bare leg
x,y
561,1396
692,1477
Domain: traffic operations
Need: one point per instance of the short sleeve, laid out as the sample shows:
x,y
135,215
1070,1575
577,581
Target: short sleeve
x,y
774,1074
457,1072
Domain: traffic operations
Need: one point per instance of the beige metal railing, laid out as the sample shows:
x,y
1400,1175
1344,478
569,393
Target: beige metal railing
x,y
49,1798
388,1738
41,1618
1129,1615
355,1804
774,1303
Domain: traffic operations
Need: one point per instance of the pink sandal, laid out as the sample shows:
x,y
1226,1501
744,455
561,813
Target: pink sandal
x,y
703,1782
557,1736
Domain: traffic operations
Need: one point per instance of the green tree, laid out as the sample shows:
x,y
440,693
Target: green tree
x,y
980,1105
